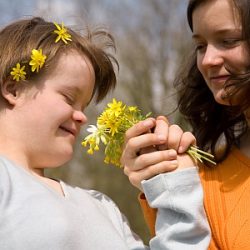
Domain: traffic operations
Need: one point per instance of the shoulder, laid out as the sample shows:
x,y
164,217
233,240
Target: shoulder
x,y
98,202
6,170
94,197
107,206
103,200
100,197
8,175
234,163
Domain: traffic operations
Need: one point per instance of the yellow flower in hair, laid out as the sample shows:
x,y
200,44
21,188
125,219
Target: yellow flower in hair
x,y
18,72
37,60
62,33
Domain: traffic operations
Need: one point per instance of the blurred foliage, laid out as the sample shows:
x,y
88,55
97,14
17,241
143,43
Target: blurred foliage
x,y
151,38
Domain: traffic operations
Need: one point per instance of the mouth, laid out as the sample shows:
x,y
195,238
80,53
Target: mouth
x,y
69,130
219,78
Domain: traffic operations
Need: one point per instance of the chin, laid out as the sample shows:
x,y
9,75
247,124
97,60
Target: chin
x,y
222,102
218,96
60,158
66,156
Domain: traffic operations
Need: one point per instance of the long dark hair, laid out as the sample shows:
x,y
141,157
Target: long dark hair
x,y
211,121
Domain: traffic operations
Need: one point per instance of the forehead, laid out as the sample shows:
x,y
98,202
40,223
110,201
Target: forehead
x,y
215,14
73,72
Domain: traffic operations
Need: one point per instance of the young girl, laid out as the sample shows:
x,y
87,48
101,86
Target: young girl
x,y
214,97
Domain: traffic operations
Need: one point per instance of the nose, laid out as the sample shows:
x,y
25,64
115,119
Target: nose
x,y
80,117
212,57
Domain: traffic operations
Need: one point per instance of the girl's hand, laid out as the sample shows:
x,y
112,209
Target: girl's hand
x,y
147,154
177,139
140,158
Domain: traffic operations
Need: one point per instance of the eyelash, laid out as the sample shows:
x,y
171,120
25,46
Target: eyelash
x,y
199,47
230,42
69,99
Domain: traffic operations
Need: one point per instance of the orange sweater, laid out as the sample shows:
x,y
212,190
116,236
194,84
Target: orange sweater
x,y
226,198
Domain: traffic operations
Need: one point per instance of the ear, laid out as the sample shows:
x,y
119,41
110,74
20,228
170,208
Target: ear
x,y
10,91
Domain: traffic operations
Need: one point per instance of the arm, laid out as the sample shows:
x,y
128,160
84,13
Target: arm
x,y
180,221
175,194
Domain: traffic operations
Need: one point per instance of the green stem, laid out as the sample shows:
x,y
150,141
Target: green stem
x,y
200,155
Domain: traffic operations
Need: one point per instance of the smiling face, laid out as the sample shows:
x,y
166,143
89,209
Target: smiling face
x,y
220,48
51,111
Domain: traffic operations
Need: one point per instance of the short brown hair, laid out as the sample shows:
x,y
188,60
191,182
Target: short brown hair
x,y
19,38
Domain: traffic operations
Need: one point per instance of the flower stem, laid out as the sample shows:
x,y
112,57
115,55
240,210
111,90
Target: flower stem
x,y
200,155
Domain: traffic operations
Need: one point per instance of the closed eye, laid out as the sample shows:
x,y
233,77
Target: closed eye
x,y
69,99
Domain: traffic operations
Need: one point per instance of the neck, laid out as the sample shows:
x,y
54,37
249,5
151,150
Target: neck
x,y
14,151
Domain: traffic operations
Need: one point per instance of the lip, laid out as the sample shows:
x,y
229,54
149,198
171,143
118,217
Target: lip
x,y
69,130
219,78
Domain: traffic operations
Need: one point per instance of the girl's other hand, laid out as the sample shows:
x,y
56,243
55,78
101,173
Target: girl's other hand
x,y
147,154
140,158
177,139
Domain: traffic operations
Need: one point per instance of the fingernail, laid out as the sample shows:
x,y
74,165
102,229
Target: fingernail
x,y
174,163
172,153
148,123
181,150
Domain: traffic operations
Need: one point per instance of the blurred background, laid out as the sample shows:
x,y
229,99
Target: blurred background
x,y
152,39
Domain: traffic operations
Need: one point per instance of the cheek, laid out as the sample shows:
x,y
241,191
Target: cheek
x,y
239,60
199,65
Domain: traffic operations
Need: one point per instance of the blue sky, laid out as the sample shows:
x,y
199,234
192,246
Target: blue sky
x,y
14,9
100,10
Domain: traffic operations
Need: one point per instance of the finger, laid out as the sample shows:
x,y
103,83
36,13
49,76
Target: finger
x,y
139,128
137,177
161,128
187,140
146,160
174,136
147,150
135,144
163,118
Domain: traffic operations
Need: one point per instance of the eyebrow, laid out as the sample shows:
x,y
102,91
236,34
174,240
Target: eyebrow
x,y
221,32
72,88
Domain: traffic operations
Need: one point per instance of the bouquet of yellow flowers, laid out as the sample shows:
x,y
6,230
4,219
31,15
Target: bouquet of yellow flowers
x,y
110,129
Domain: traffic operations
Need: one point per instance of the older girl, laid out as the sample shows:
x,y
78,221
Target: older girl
x,y
214,96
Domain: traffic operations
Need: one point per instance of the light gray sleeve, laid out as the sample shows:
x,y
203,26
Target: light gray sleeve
x,y
181,221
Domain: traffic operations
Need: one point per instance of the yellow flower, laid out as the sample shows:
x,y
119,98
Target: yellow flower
x,y
18,72
110,129
90,151
37,60
113,125
102,119
132,108
62,33
115,108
